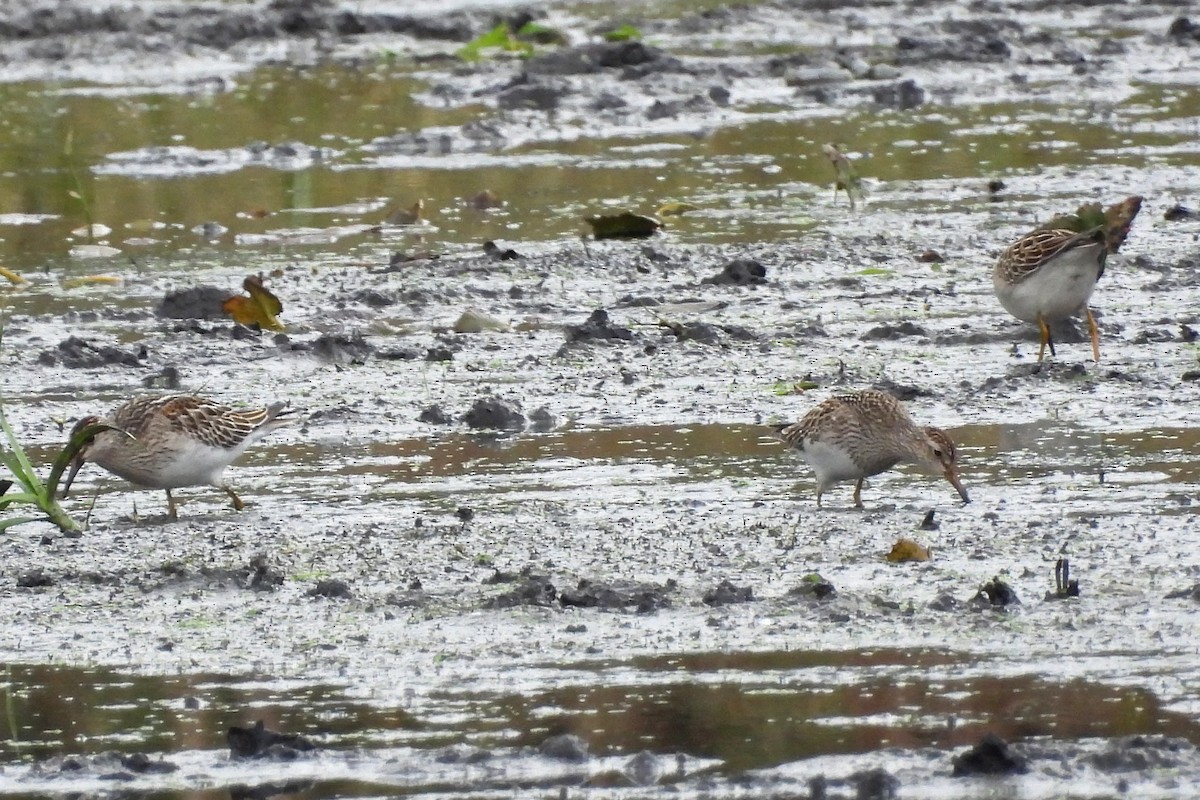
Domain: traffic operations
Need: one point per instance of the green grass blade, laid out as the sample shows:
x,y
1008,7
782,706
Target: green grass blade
x,y
24,469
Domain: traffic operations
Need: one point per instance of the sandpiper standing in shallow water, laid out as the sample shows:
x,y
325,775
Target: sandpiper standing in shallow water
x,y
173,441
1046,276
855,436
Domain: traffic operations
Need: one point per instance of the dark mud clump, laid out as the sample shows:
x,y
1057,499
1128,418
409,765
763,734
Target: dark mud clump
x,y
565,747
434,415
996,593
490,413
534,590
598,327
259,742
339,348
76,353
198,302
992,756
813,586
727,594
887,331
739,272
332,589
106,766
641,598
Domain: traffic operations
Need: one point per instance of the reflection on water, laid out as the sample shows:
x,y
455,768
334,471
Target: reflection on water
x,y
729,460
748,710
990,454
55,141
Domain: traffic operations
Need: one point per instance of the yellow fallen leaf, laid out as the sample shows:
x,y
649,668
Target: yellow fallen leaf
x,y
261,308
12,277
90,280
907,550
676,209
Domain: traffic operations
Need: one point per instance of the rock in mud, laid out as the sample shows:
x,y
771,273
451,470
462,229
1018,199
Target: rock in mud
x,y
739,272
641,598
462,754
261,576
197,302
875,784
598,327
107,766
813,586
644,769
536,590
434,415
978,48
533,95
992,756
166,380
259,742
726,594
996,593
475,321
1177,213
338,348
34,579
489,413
635,59
901,391
565,747
331,588
1182,29
1139,753
76,353
889,332
1192,593
902,95
542,420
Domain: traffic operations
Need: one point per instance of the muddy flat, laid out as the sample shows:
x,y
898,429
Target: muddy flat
x,y
533,533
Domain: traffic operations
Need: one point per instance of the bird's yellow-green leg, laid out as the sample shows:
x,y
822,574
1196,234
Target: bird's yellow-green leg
x,y
238,505
172,512
1044,330
858,493
1095,332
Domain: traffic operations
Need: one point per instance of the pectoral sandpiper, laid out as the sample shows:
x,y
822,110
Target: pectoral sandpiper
x,y
855,436
1046,276
176,440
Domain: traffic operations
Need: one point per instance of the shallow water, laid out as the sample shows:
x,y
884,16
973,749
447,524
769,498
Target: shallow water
x,y
734,712
656,466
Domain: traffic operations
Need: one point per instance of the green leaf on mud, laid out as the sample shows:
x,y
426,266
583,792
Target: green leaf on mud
x,y
875,271
625,33
498,38
676,209
540,34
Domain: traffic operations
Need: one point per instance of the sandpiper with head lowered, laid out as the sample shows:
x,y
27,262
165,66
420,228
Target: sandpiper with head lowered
x,y
168,442
1049,275
855,436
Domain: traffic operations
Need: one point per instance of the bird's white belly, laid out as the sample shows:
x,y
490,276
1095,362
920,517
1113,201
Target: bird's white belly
x,y
831,464
1055,293
199,465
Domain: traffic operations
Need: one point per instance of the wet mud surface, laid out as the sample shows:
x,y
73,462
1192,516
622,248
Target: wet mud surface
x,y
534,534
